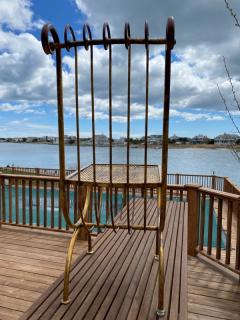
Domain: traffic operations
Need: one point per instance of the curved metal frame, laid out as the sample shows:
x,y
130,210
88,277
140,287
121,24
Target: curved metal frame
x,y
55,46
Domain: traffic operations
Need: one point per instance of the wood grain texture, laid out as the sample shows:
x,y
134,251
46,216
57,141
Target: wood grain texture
x,y
119,280
30,262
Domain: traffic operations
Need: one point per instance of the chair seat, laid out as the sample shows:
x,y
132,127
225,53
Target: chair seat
x,y
119,174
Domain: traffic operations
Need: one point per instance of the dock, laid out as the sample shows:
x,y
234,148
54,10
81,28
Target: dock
x,y
119,280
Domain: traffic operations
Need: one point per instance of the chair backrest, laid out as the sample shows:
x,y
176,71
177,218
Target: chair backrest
x,y
107,42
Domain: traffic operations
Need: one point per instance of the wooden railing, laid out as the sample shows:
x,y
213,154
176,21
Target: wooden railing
x,y
214,216
33,201
230,187
33,171
28,200
207,181
214,226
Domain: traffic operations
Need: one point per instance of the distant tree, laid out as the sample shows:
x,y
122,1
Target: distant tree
x,y
71,141
236,105
210,141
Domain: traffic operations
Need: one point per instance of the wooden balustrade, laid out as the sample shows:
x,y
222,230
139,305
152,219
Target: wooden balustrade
x,y
30,201
208,181
33,171
211,224
33,201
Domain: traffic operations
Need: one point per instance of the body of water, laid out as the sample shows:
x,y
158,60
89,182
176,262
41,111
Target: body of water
x,y
181,160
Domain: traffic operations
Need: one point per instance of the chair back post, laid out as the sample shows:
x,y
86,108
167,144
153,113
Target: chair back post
x,y
170,38
49,49
193,215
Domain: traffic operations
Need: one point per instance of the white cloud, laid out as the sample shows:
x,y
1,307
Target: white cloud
x,y
17,15
204,32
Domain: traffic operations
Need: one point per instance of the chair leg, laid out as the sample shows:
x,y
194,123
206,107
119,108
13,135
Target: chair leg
x,y
157,245
161,310
65,299
90,249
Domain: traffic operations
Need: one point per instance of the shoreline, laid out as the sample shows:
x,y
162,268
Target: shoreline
x,y
170,146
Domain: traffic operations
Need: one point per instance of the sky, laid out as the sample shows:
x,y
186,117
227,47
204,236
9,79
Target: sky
x,y
205,32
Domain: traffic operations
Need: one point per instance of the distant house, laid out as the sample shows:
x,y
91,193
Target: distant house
x,y
179,140
200,139
154,139
30,139
101,140
51,139
226,139
173,138
70,139
120,142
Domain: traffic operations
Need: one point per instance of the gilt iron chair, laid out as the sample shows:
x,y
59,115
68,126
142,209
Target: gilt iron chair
x,y
97,178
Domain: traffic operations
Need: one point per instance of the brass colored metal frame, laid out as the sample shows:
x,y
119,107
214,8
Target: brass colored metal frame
x,y
87,42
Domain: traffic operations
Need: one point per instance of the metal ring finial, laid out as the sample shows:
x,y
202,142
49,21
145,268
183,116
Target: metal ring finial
x,y
67,42
170,33
87,29
127,35
48,28
106,39
146,31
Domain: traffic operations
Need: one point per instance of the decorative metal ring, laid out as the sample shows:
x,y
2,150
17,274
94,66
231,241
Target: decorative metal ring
x,y
46,44
127,35
106,39
86,28
67,42
170,33
146,31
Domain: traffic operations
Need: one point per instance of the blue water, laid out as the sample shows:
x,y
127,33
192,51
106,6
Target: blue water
x,y
48,211
56,214
214,228
185,160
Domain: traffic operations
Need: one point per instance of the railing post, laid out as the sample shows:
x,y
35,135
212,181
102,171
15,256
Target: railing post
x,y
0,200
177,178
213,182
237,263
81,197
193,215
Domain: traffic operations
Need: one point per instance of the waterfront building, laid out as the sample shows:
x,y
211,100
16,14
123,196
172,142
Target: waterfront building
x,y
226,139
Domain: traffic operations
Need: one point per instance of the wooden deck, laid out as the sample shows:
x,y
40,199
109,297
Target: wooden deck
x,y
30,262
120,280
115,283
212,294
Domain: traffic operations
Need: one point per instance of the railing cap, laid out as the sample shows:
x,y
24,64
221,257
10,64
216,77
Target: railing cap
x,y
193,186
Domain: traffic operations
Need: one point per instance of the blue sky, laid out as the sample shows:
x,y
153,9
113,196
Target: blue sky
x,y
27,84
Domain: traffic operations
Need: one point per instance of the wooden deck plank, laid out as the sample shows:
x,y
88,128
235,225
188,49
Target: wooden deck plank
x,y
23,284
176,282
9,314
184,273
